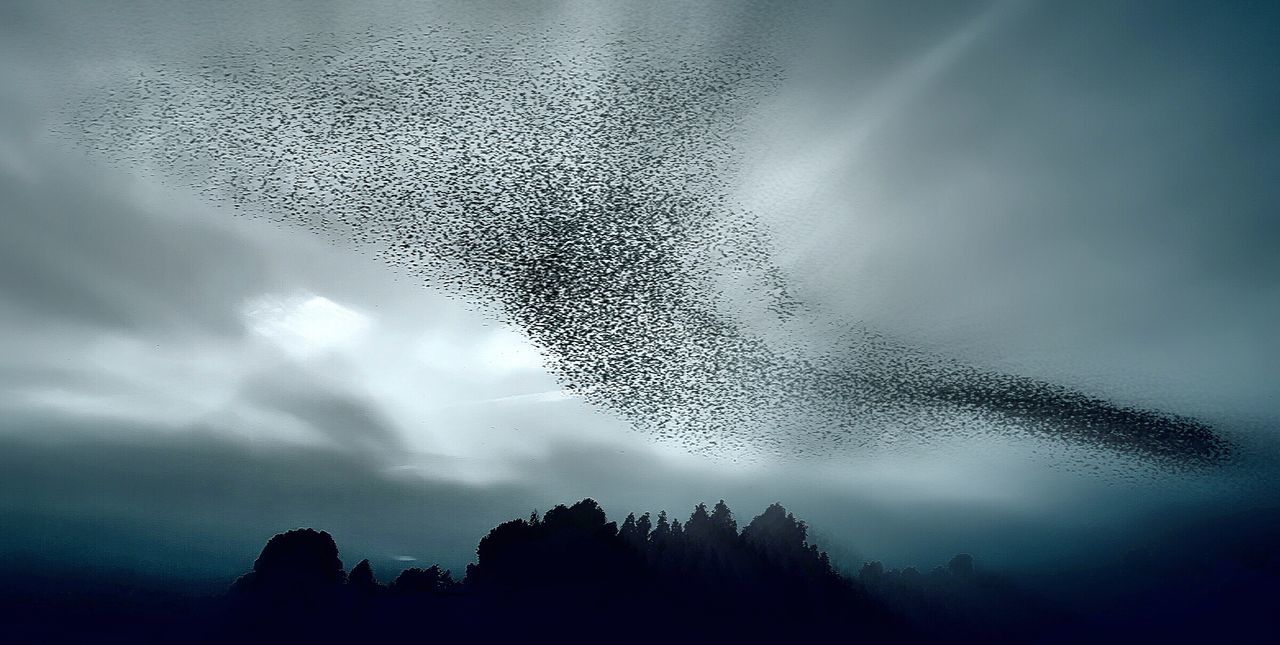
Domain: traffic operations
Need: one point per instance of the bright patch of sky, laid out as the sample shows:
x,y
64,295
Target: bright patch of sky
x,y
303,324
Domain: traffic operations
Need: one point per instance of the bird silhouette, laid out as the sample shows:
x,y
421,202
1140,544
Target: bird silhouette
x,y
584,192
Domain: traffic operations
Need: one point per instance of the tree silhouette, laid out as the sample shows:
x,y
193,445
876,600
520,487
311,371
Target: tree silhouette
x,y
574,556
629,532
871,573
644,525
776,534
961,565
296,562
723,526
574,576
361,578
698,527
433,580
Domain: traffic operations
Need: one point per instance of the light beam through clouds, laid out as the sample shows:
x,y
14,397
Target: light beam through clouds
x,y
788,178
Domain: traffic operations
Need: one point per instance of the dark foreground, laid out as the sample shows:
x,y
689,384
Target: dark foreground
x,y
572,576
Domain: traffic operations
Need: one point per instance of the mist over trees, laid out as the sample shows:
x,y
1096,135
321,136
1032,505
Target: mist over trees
x,y
571,575
704,578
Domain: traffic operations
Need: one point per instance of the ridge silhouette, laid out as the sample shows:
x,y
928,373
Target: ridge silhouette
x,y
573,576
702,579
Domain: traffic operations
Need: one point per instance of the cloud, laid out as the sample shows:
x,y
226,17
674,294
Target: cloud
x,y
201,504
79,251
304,323
1102,217
198,502
334,411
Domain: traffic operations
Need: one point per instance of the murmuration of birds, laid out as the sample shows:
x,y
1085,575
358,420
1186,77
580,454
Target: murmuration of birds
x,y
583,188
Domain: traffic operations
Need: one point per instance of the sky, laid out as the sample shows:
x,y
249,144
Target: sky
x,y
1083,193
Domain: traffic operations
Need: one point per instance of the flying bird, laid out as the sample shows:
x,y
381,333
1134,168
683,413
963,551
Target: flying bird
x,y
584,191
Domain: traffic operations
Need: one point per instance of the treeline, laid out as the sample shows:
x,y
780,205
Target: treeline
x,y
573,576
701,578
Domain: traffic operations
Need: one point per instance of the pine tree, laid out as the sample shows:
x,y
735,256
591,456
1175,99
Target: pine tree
x,y
661,536
629,532
643,525
699,525
722,524
361,578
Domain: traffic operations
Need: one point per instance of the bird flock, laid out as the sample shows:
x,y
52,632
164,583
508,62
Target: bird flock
x,y
583,187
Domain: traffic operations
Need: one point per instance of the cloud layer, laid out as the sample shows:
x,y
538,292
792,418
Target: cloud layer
x,y
1017,203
